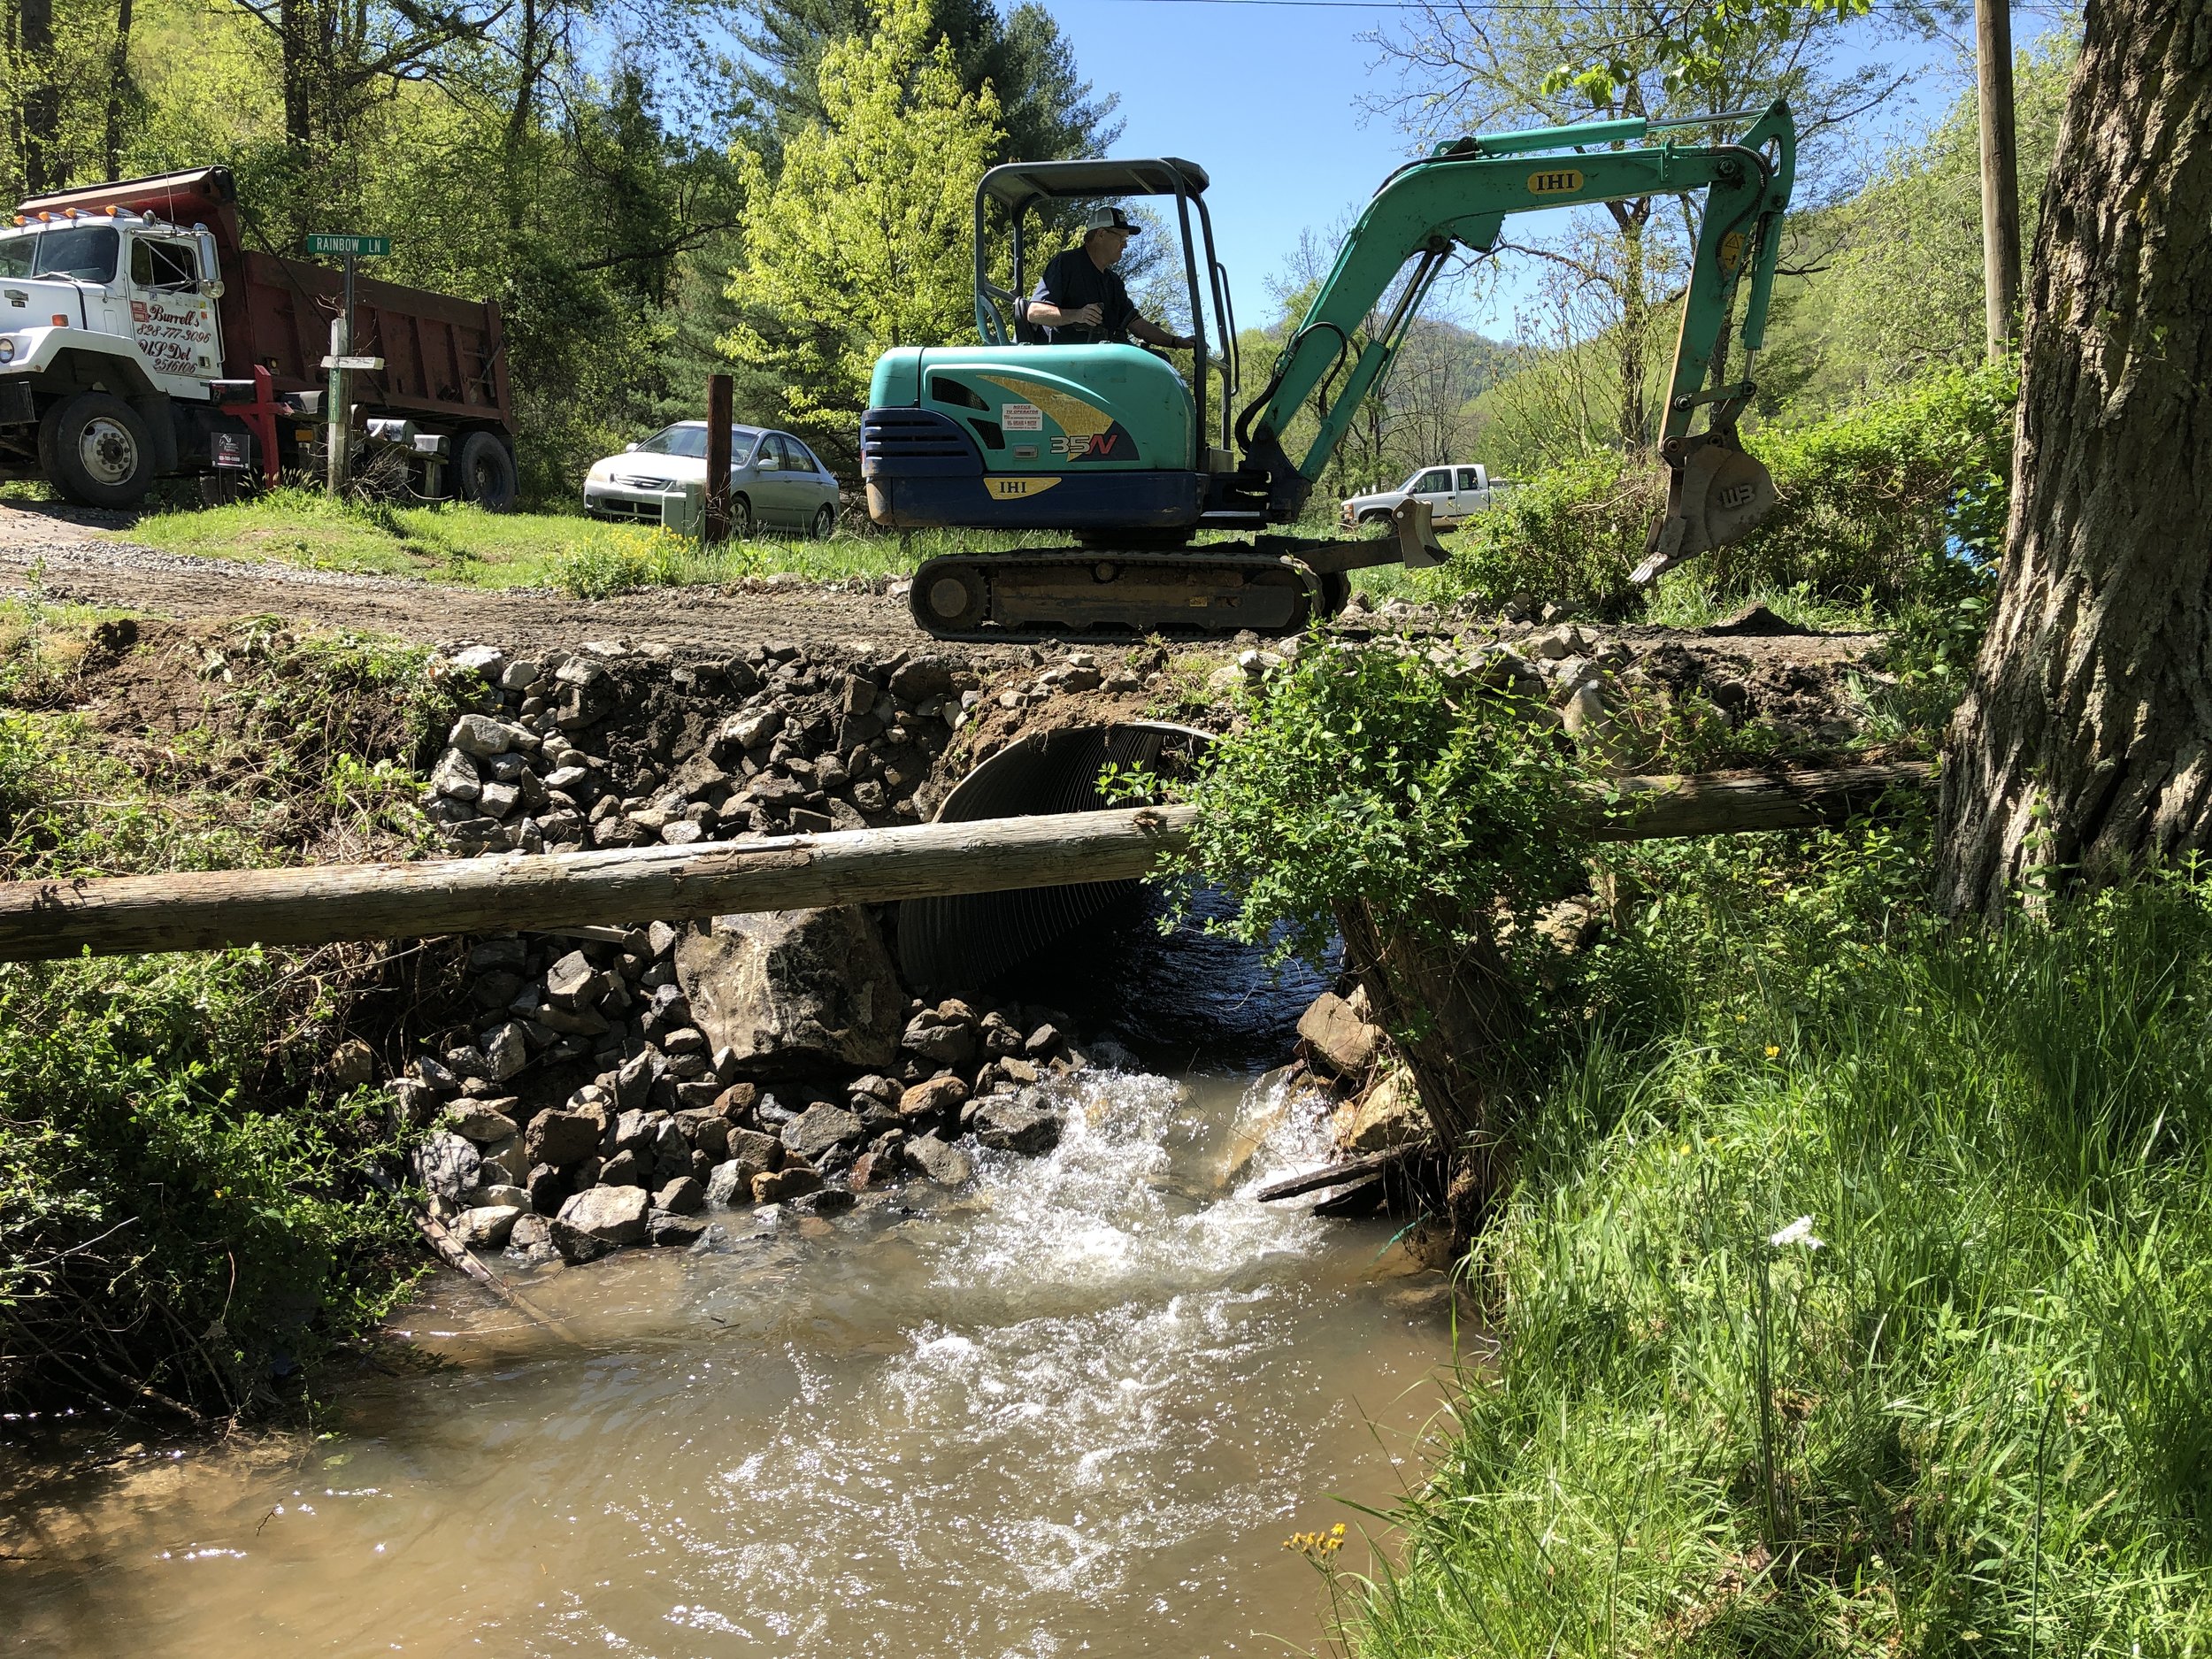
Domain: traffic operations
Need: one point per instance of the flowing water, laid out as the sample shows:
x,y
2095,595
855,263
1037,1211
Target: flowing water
x,y
1076,1408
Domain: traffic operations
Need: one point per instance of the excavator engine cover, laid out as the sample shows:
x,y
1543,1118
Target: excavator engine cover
x,y
1718,496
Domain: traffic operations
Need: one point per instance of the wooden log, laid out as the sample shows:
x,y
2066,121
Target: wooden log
x,y
1745,802
1338,1174
546,891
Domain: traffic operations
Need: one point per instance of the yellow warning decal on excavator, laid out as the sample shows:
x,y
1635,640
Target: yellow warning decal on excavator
x,y
1557,181
1070,414
1016,488
1731,252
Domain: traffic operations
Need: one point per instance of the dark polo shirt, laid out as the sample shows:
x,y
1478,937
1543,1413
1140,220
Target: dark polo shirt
x,y
1072,281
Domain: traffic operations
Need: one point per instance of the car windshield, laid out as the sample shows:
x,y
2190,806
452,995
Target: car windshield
x,y
691,442
78,251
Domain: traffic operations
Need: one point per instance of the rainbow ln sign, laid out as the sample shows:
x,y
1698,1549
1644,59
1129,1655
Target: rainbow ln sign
x,y
352,247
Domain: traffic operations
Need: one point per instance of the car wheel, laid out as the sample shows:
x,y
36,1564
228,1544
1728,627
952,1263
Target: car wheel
x,y
95,448
485,472
741,524
825,524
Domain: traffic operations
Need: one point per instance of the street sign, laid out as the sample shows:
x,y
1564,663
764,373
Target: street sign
x,y
370,365
355,246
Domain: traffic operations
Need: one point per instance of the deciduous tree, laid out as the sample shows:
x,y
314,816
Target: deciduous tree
x,y
2085,745
861,241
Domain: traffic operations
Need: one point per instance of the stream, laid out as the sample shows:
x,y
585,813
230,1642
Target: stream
x,y
1075,1408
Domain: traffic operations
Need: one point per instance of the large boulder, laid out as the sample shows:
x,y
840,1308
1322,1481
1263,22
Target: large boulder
x,y
1388,1115
1339,1040
1019,1122
601,1217
792,992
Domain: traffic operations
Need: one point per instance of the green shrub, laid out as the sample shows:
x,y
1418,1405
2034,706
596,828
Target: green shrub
x,y
183,1223
1380,778
1869,500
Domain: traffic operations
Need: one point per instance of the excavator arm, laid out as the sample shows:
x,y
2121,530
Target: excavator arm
x,y
1462,197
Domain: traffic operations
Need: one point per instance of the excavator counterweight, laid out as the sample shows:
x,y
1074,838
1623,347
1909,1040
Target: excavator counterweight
x,y
1167,500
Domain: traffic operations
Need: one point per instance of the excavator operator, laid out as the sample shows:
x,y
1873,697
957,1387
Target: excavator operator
x,y
1081,299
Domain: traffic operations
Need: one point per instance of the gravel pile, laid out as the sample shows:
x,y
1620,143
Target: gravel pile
x,y
607,746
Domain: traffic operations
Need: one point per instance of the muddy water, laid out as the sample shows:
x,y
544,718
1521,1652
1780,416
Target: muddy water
x,y
1074,1409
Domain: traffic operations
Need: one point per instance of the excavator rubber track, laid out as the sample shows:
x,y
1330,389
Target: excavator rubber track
x,y
1060,593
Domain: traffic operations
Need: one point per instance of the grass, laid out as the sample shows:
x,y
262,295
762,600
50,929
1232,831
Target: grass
x,y
1974,1418
585,558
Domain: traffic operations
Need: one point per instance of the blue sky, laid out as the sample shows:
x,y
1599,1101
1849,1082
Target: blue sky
x,y
1268,99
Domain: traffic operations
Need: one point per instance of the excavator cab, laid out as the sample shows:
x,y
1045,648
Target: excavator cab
x,y
1104,438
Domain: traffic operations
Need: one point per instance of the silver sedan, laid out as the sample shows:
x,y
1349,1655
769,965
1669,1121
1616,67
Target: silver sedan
x,y
774,479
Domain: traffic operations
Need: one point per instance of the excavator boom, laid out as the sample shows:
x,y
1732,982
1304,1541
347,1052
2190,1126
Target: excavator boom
x,y
1462,197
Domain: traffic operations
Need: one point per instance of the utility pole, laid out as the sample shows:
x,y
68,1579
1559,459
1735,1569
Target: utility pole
x,y
2001,173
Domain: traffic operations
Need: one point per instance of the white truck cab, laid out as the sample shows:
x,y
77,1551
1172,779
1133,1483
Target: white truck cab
x,y
107,317
1453,492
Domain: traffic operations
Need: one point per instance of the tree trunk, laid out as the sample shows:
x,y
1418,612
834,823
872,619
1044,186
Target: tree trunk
x,y
2084,744
119,89
1635,418
520,115
44,168
1448,1002
299,60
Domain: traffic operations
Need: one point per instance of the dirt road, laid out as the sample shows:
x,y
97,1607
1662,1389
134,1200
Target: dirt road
x,y
71,555
71,559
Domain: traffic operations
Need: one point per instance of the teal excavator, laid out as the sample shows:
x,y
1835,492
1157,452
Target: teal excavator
x,y
1104,441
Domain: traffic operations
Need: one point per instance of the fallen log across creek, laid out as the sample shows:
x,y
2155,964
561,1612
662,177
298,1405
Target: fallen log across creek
x,y
546,892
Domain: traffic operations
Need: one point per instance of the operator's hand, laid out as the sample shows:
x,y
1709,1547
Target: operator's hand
x,y
1089,317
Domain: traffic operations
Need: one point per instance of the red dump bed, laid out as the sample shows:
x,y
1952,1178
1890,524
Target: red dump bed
x,y
442,357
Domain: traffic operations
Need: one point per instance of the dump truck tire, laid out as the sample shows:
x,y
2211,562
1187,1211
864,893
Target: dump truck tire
x,y
96,450
486,472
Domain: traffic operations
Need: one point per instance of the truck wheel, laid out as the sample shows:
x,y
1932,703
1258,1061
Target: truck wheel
x,y
485,473
95,450
1373,515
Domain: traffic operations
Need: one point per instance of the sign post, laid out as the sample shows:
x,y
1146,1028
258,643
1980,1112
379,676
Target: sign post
x,y
341,363
716,527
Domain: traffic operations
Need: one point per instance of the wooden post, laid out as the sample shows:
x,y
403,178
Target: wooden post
x,y
207,910
334,424
2000,174
717,528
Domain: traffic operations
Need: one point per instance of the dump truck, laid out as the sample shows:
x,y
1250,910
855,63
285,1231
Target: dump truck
x,y
142,339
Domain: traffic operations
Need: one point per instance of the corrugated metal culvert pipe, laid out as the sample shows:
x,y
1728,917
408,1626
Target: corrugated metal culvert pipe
x,y
946,943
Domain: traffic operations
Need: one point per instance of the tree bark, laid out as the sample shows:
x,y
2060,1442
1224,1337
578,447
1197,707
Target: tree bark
x,y
297,55
2083,748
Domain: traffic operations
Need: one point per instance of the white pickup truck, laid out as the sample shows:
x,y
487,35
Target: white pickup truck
x,y
1453,492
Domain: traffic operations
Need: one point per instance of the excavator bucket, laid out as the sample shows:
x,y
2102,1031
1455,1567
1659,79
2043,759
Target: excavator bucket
x,y
1717,495
1417,546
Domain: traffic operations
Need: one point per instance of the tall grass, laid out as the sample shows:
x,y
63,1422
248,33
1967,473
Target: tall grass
x,y
1976,1420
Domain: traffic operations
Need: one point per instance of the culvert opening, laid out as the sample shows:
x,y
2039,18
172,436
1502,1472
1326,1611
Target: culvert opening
x,y
1180,1000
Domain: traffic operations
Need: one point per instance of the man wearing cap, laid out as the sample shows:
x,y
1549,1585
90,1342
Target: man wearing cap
x,y
1081,299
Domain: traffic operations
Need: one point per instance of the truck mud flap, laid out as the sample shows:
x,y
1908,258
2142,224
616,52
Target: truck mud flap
x,y
18,407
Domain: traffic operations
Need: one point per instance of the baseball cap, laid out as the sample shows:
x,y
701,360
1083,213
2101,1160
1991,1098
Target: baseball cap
x,y
1109,219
